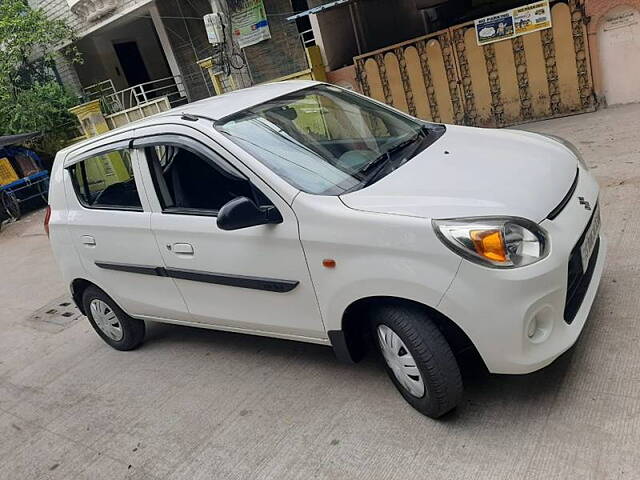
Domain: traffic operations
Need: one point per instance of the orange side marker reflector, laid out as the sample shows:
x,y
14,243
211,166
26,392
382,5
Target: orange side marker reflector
x,y
489,244
329,263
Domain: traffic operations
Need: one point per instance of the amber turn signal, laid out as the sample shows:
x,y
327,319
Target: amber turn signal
x,y
329,263
489,244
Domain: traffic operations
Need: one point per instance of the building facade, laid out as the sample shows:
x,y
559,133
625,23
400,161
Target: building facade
x,y
143,49
418,55
423,53
614,41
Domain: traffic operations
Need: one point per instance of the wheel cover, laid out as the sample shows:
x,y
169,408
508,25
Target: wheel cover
x,y
400,361
106,320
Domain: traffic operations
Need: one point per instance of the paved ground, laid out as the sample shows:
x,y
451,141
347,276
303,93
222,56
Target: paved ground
x,y
195,404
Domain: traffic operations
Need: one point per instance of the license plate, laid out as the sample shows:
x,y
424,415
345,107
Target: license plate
x,y
590,239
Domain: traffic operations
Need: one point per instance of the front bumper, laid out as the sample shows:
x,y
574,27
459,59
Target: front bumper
x,y
496,308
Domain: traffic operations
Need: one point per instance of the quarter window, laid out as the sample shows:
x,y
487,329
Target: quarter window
x,y
106,181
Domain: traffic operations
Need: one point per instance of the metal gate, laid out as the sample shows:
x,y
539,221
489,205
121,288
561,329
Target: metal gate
x,y
447,77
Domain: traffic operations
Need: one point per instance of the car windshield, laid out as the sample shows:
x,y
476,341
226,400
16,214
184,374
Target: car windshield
x,y
325,140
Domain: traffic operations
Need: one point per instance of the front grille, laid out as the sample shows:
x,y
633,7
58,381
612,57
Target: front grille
x,y
578,280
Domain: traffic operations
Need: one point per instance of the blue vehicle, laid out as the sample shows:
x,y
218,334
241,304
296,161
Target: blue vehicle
x,y
32,177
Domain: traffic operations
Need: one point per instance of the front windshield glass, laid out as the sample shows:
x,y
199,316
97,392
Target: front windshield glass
x,y
325,140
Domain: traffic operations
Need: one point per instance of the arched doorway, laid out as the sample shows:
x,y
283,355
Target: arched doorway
x,y
619,45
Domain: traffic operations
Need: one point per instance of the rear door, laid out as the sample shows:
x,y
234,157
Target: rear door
x,y
255,279
109,223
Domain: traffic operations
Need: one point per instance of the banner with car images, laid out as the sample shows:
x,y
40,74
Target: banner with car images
x,y
514,22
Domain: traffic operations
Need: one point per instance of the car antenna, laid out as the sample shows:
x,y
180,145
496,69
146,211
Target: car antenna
x,y
189,118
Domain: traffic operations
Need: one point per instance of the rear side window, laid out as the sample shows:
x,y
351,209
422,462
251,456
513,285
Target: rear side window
x,y
106,181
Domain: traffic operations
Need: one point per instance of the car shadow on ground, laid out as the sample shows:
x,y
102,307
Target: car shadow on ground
x,y
160,335
485,394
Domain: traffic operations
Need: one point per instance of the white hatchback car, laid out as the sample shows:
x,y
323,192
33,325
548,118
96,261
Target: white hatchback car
x,y
303,211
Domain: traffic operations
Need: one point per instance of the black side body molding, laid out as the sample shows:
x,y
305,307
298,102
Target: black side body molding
x,y
242,281
141,269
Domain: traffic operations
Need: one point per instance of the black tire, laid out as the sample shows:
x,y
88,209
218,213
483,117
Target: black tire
x,y
432,355
132,330
11,205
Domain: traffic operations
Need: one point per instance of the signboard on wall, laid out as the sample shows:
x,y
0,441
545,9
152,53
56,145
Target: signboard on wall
x,y
512,23
494,28
620,20
250,25
531,18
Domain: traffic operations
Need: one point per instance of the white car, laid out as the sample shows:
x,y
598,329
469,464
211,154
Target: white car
x,y
303,211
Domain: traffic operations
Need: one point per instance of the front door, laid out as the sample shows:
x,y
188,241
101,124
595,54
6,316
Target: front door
x,y
109,227
255,279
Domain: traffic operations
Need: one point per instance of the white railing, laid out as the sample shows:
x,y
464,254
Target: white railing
x,y
307,37
99,90
113,101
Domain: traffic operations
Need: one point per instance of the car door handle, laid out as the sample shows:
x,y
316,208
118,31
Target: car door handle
x,y
181,248
88,240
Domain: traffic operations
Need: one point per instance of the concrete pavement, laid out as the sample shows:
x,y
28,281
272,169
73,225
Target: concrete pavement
x,y
197,404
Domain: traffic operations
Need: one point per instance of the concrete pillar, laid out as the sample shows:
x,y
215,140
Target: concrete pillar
x,y
207,66
314,58
166,47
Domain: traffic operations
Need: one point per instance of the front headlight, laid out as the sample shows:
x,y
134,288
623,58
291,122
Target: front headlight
x,y
498,242
567,144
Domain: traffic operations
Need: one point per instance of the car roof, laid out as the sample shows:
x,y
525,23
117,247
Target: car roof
x,y
227,104
214,108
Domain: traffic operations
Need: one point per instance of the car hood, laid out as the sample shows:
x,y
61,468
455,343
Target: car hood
x,y
475,172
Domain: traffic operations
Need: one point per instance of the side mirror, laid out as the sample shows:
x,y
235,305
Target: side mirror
x,y
242,212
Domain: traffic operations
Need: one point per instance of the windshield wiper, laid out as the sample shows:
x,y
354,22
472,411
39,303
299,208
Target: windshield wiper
x,y
377,164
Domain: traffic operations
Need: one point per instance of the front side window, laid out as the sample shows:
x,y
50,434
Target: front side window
x,y
328,141
188,182
106,181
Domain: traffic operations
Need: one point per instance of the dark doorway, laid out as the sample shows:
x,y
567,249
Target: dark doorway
x,y
303,23
132,64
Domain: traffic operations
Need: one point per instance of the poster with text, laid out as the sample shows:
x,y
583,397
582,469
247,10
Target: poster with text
x,y
532,18
494,28
518,21
250,24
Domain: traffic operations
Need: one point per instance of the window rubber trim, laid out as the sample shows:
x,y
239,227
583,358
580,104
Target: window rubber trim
x,y
195,146
206,153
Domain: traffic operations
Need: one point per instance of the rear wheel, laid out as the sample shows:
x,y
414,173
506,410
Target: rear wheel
x,y
10,204
418,359
113,325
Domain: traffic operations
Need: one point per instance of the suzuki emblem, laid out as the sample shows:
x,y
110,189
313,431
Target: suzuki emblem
x,y
586,204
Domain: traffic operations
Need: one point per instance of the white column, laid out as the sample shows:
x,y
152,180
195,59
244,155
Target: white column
x,y
166,46
317,34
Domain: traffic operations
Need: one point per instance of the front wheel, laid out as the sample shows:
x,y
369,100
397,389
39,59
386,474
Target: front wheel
x,y
109,321
418,359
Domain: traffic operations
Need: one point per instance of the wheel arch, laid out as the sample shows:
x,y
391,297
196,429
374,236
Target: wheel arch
x,y
78,287
353,340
